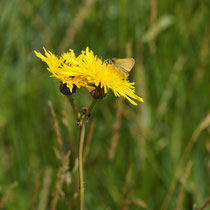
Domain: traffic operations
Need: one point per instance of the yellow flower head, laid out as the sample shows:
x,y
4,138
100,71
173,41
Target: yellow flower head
x,y
89,71
56,67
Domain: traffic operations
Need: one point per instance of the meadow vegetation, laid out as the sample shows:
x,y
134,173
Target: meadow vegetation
x,y
152,156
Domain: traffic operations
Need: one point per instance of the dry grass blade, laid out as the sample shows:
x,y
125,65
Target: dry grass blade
x,y
141,116
60,180
141,86
152,21
77,23
36,190
62,172
161,24
129,46
126,203
75,195
203,125
205,204
126,189
7,194
183,183
89,138
140,203
127,182
116,128
76,185
56,126
45,189
66,123
167,94
75,167
194,206
118,114
204,54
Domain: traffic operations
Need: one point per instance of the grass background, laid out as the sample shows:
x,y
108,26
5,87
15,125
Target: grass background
x,y
170,41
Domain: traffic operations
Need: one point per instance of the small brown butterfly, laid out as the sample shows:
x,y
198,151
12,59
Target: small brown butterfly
x,y
124,64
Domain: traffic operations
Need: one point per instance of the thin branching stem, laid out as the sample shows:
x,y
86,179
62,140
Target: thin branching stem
x,y
82,119
90,107
80,154
71,100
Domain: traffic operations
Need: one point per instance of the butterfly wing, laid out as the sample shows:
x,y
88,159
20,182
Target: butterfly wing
x,y
125,64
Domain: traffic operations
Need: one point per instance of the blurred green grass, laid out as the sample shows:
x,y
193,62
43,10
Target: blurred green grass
x,y
171,74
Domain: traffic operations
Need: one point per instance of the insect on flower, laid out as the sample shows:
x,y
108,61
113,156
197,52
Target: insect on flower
x,y
91,72
124,64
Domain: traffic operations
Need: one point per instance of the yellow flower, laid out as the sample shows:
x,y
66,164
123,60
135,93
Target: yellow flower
x,y
56,65
91,72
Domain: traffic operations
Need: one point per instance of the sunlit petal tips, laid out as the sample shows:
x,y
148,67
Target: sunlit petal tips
x,y
87,70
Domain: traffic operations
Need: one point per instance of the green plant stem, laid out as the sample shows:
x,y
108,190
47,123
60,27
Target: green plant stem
x,y
71,100
82,119
90,107
80,158
80,153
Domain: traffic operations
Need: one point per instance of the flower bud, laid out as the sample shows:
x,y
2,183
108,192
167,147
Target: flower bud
x,y
98,93
65,90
